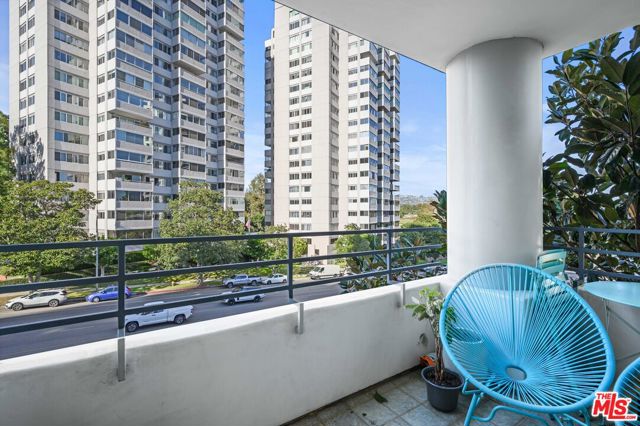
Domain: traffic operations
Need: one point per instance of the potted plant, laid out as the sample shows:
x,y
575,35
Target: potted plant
x,y
443,385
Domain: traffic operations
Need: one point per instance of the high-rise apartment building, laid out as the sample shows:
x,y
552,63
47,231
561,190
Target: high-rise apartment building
x,y
129,98
332,120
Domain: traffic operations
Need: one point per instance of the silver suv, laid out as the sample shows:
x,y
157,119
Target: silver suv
x,y
51,298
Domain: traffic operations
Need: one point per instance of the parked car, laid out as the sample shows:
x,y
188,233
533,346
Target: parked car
x,y
237,296
324,271
274,279
109,293
240,279
176,315
49,297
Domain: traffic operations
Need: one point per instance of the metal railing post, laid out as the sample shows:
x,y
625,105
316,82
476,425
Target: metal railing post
x,y
581,273
300,325
403,295
389,237
290,266
121,324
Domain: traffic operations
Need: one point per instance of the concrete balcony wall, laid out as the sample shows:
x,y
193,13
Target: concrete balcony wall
x,y
248,369
626,345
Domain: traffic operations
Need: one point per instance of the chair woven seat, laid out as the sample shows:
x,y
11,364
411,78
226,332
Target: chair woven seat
x,y
526,339
628,386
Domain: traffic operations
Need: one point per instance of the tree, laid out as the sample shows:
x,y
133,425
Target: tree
x,y
595,100
440,207
107,256
417,215
352,243
254,203
42,212
7,172
198,211
28,150
276,248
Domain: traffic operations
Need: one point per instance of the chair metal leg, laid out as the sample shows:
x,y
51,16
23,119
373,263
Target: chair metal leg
x,y
472,407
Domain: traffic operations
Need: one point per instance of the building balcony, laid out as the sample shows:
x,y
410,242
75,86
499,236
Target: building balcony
x,y
287,334
133,205
127,185
133,224
127,109
129,166
185,61
232,26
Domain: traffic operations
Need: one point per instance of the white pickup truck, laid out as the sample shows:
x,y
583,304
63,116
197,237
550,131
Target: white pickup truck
x,y
237,296
241,279
176,315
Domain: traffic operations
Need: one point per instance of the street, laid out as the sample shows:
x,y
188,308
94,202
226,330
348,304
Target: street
x,y
19,344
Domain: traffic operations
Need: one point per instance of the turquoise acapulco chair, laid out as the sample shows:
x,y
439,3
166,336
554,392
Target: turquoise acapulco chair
x,y
628,386
554,262
527,340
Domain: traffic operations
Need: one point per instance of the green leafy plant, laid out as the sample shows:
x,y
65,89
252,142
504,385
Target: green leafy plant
x,y
198,211
42,212
428,306
595,102
254,204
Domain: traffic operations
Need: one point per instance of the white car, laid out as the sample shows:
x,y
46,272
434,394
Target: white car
x,y
274,279
176,315
236,296
51,298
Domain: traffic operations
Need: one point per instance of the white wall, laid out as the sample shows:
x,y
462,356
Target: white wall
x,y
249,369
494,155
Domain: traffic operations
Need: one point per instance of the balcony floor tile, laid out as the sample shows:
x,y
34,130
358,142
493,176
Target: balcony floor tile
x,y
374,412
406,405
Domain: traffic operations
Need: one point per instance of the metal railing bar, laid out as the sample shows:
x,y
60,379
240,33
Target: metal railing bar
x,y
560,246
363,275
338,255
122,277
71,282
12,329
365,253
202,269
12,248
204,299
416,248
598,272
597,251
612,252
334,280
419,266
595,230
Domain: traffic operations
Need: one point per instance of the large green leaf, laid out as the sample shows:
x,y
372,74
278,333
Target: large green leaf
x,y
632,70
634,44
612,69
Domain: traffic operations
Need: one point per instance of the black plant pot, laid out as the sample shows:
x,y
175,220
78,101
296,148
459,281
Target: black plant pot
x,y
442,397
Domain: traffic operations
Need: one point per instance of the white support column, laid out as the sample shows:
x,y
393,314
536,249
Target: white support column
x,y
494,150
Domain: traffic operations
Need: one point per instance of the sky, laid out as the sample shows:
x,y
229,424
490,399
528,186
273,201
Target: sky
x,y
4,56
422,111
